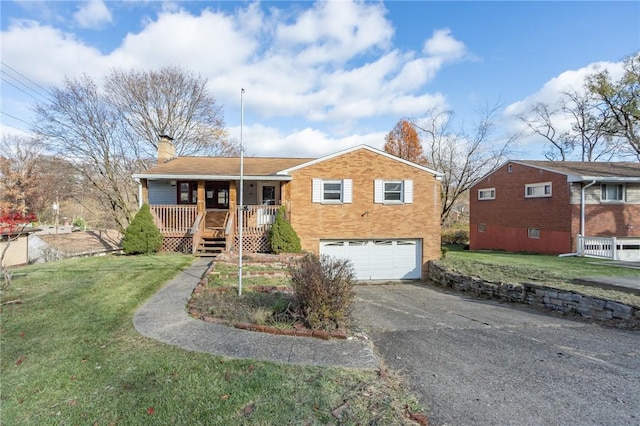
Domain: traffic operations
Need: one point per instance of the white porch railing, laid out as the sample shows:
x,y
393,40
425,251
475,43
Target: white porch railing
x,y
614,248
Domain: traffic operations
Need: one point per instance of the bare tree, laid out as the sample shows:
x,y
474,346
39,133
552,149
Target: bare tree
x,y
576,128
80,125
540,122
172,102
110,134
463,157
622,99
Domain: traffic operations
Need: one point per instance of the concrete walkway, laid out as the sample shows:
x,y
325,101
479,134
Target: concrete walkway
x,y
164,318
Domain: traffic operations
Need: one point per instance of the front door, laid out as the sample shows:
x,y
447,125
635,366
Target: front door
x,y
217,194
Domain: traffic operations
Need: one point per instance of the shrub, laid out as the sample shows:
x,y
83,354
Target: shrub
x,y
323,288
456,235
282,236
443,252
142,236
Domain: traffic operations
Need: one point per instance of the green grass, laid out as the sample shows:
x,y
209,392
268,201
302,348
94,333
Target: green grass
x,y
552,271
70,355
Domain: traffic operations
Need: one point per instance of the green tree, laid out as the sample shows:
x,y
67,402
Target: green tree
x,y
142,236
622,99
282,237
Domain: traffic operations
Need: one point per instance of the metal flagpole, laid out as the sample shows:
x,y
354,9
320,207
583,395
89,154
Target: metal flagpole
x,y
241,211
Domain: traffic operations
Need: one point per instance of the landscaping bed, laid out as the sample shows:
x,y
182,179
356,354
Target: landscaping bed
x,y
267,304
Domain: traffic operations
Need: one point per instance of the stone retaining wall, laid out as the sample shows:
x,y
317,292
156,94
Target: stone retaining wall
x,y
539,296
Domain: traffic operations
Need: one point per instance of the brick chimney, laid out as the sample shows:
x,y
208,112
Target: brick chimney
x,y
166,149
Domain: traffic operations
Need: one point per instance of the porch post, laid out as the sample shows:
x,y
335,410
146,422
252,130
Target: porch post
x,y
144,184
233,194
201,206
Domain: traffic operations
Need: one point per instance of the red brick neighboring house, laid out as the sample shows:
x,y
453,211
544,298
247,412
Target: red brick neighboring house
x,y
378,210
543,206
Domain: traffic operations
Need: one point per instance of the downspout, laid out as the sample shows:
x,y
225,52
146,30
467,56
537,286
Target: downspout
x,y
582,219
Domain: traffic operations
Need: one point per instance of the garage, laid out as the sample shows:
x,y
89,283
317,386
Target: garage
x,y
378,259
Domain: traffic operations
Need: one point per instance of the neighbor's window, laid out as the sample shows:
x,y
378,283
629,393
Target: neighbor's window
x,y
486,194
612,192
533,233
482,227
332,190
535,190
393,191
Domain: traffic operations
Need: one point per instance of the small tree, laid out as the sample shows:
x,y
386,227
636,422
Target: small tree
x,y
323,287
282,237
142,236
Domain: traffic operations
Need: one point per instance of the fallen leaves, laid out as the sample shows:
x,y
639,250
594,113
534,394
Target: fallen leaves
x,y
151,410
248,410
21,360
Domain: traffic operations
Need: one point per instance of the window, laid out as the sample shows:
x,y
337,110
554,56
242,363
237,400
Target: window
x,y
187,192
487,194
533,233
612,192
509,168
393,191
333,191
536,190
482,227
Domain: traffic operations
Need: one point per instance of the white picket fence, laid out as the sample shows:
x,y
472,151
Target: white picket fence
x,y
614,248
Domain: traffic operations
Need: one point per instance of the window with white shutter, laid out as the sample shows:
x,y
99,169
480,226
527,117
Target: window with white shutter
x,y
332,191
392,191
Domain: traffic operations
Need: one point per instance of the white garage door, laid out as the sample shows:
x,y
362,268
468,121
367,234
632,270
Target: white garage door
x,y
378,259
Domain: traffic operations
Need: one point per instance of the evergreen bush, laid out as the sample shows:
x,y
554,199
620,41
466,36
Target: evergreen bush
x,y
142,236
323,288
282,237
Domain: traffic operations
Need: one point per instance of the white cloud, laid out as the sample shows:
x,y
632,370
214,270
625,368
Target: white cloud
x,y
260,140
93,14
443,45
331,65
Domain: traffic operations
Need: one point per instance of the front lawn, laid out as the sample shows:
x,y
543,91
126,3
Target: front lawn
x,y
552,271
70,355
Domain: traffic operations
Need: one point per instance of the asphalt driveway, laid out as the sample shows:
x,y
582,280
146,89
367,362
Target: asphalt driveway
x,y
476,362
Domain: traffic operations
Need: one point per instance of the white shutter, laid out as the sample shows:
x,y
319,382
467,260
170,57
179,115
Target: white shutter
x,y
378,194
316,191
347,190
408,191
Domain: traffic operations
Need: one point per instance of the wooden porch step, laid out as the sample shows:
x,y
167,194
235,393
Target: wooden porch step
x,y
211,246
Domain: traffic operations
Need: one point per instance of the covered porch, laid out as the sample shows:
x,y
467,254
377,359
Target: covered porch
x,y
205,215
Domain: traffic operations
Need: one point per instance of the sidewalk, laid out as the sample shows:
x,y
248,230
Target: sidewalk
x,y
163,317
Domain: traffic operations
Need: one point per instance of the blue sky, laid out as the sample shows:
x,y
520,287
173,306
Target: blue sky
x,y
324,76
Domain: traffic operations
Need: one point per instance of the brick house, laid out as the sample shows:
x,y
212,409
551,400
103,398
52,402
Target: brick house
x,y
544,206
378,210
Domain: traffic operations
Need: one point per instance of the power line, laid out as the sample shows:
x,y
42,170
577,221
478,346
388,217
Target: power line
x,y
21,83
20,89
15,118
25,77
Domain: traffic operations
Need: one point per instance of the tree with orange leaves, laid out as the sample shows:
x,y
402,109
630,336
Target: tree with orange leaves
x,y
403,141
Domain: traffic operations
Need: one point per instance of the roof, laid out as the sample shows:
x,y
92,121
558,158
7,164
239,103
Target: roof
x,y
212,168
226,168
578,171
